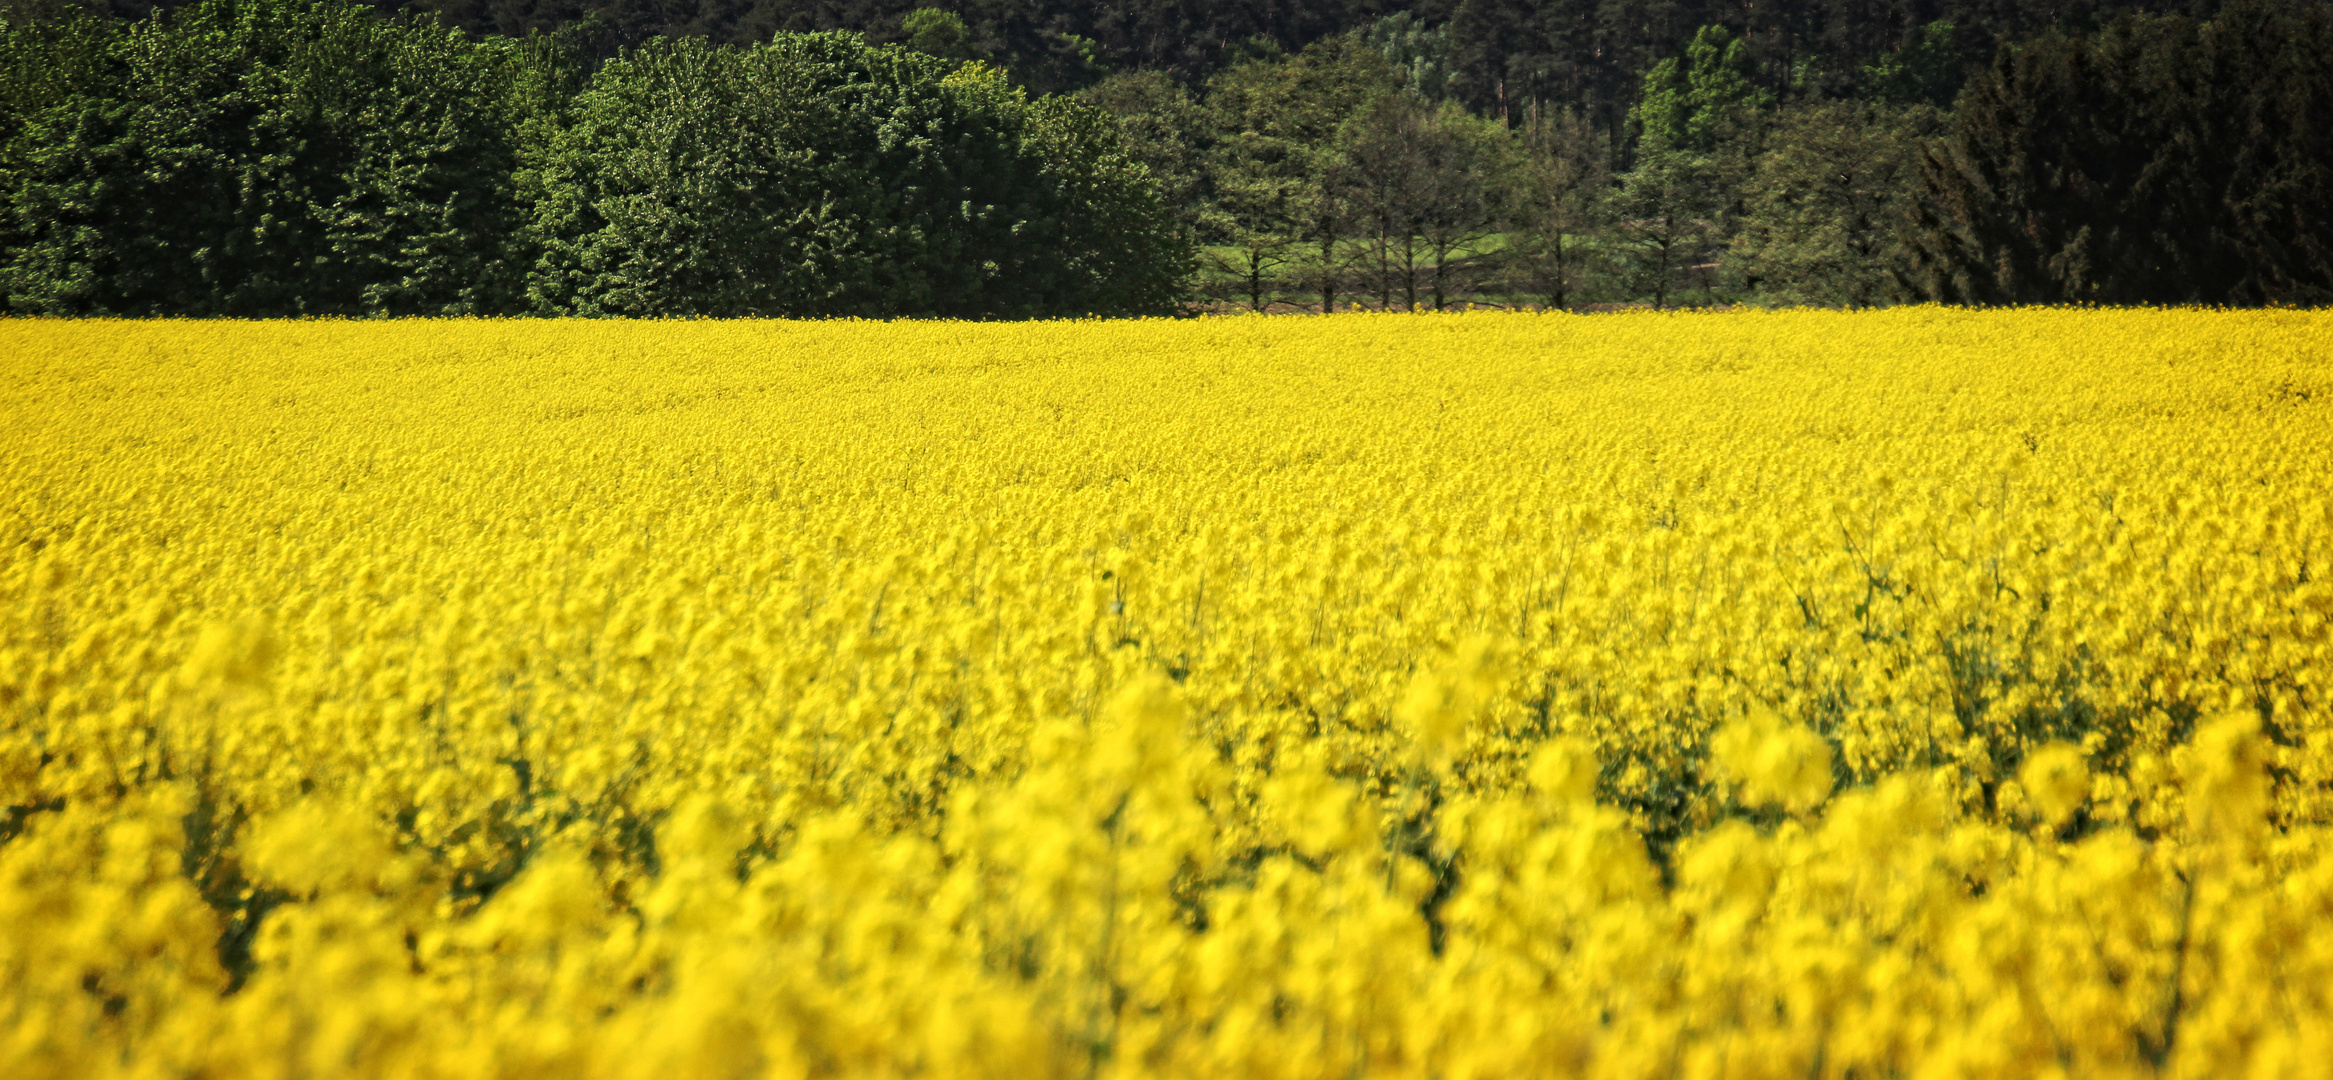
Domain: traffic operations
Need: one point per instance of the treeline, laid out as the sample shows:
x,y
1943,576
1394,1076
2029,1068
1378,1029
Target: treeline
x,y
279,157
2158,159
259,157
1491,54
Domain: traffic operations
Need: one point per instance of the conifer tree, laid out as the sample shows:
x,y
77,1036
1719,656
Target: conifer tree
x,y
2162,160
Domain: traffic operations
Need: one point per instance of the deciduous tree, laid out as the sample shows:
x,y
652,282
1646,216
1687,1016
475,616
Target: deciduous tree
x,y
1824,202
257,157
1558,192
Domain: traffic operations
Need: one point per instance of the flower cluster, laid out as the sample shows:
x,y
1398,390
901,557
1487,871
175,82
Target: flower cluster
x,y
1730,695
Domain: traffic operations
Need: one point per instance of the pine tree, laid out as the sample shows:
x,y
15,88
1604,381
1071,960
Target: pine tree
x,y
2163,160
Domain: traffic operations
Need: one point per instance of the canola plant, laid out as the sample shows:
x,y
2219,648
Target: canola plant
x,y
1918,693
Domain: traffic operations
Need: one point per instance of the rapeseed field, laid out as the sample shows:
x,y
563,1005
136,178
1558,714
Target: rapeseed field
x,y
1916,693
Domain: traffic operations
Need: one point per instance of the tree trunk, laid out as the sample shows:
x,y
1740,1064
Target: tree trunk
x,y
1557,282
1661,274
1328,270
1441,252
1384,267
1409,272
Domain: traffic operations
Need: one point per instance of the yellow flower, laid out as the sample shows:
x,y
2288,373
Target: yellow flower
x,y
2057,780
1564,770
1214,697
1774,761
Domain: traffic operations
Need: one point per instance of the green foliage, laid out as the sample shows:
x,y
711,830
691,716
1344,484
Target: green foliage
x,y
1421,181
289,157
1278,139
819,175
1926,70
1668,211
937,32
2163,160
698,180
1664,105
283,157
1824,202
1104,241
1165,129
1685,105
1256,209
48,11
1062,62
256,157
1664,215
1556,203
1421,54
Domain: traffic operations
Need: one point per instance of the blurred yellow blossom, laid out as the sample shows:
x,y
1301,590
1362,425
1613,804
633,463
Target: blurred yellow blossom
x,y
1776,762
2057,780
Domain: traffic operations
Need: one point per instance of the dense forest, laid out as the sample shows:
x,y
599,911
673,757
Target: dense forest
x,y
1493,52
2154,158
1004,158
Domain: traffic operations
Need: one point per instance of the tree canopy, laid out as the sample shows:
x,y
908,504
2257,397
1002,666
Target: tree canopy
x,y
1035,157
305,157
2161,160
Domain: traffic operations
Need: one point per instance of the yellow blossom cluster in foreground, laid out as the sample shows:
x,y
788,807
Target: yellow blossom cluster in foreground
x,y
1913,693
